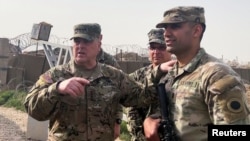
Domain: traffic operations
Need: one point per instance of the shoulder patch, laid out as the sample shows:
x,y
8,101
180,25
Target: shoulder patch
x,y
231,105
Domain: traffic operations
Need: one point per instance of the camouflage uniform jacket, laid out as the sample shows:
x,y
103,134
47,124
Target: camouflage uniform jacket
x,y
206,91
135,115
89,117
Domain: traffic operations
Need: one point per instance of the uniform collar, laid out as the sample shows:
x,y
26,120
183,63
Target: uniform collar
x,y
191,66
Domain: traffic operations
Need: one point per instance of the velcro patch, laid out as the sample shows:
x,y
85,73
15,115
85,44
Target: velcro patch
x,y
224,84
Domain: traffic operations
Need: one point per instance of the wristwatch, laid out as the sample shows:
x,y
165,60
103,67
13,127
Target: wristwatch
x,y
118,121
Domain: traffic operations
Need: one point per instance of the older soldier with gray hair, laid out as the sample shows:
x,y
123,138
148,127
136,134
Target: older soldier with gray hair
x,y
81,97
202,89
157,55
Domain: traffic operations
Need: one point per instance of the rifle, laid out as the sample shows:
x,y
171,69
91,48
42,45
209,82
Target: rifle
x,y
166,130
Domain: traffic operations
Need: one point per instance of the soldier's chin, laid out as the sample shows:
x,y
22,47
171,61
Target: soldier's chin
x,y
80,61
170,49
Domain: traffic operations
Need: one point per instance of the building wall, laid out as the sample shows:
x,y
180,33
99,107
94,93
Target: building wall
x,y
244,73
4,56
33,66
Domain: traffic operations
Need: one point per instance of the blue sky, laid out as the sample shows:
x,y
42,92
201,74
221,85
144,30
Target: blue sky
x,y
128,21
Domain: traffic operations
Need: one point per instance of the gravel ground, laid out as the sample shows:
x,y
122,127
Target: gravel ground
x,y
13,124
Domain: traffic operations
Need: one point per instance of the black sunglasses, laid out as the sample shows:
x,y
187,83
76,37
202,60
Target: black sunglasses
x,y
160,48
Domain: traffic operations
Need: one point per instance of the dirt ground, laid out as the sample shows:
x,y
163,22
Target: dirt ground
x,y
13,123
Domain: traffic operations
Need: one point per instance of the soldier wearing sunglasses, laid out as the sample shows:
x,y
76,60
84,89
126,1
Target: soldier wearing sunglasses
x,y
157,55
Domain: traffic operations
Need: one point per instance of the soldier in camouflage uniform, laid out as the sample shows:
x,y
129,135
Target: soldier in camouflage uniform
x,y
157,55
205,90
81,98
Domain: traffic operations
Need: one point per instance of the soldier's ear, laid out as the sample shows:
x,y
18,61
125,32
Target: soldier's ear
x,y
197,30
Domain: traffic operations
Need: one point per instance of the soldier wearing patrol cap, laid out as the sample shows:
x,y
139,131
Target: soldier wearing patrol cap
x,y
204,90
157,55
80,98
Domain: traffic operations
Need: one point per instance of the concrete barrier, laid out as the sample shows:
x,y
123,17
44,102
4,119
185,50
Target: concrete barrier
x,y
37,130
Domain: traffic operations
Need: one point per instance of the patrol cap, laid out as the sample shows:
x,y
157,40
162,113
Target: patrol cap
x,y
183,14
88,31
156,36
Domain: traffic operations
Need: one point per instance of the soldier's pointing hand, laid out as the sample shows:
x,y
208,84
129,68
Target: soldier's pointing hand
x,y
74,86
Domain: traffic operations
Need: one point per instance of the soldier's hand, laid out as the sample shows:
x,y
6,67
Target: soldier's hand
x,y
151,126
74,86
165,67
